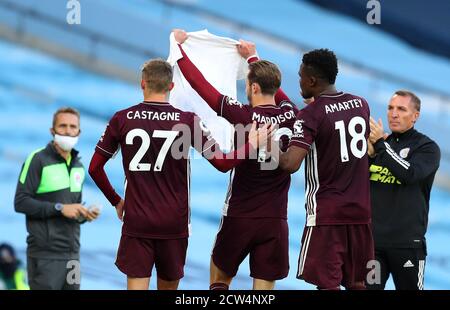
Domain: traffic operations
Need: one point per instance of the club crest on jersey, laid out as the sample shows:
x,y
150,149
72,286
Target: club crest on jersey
x,y
232,101
404,152
298,128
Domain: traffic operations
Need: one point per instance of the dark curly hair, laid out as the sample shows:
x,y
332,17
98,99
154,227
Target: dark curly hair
x,y
322,63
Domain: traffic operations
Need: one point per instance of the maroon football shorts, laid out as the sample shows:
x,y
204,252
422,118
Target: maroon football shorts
x,y
136,257
265,239
334,255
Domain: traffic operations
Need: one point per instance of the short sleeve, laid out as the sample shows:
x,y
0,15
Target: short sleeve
x,y
110,139
305,129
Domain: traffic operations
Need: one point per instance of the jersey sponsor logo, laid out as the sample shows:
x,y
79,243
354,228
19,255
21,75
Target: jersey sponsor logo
x,y
343,106
278,119
382,175
404,152
298,129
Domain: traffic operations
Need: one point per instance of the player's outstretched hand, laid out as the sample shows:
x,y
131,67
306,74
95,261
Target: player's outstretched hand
x,y
119,209
180,35
260,137
246,48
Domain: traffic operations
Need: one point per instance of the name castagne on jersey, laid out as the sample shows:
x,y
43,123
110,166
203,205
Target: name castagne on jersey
x,y
154,116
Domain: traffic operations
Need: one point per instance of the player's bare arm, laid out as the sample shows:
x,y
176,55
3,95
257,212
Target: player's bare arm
x,y
292,159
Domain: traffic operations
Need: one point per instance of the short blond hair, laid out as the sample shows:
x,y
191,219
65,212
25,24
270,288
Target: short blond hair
x,y
157,75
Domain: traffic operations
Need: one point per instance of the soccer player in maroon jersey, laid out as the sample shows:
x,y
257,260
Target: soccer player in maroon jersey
x,y
331,132
154,138
254,218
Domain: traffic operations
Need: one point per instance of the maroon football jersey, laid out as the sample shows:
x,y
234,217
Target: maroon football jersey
x,y
155,148
253,191
335,128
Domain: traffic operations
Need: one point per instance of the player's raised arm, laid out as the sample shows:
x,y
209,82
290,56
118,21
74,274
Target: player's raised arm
x,y
247,50
210,150
195,78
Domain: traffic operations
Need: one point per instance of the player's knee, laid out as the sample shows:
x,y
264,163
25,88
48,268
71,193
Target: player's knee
x,y
219,287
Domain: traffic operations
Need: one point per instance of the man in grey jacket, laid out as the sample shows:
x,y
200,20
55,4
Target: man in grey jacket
x,y
49,194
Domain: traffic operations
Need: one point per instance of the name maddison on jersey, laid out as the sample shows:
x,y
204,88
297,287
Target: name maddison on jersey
x,y
154,116
382,175
343,106
273,119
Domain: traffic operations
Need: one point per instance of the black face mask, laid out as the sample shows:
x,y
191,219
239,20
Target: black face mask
x,y
8,269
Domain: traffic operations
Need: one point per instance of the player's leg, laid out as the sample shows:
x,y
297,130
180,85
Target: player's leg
x,y
170,258
135,258
358,257
218,279
167,285
269,255
260,284
321,256
230,249
137,283
408,268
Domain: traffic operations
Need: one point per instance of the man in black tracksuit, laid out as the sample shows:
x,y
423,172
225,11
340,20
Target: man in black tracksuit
x,y
49,194
402,170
